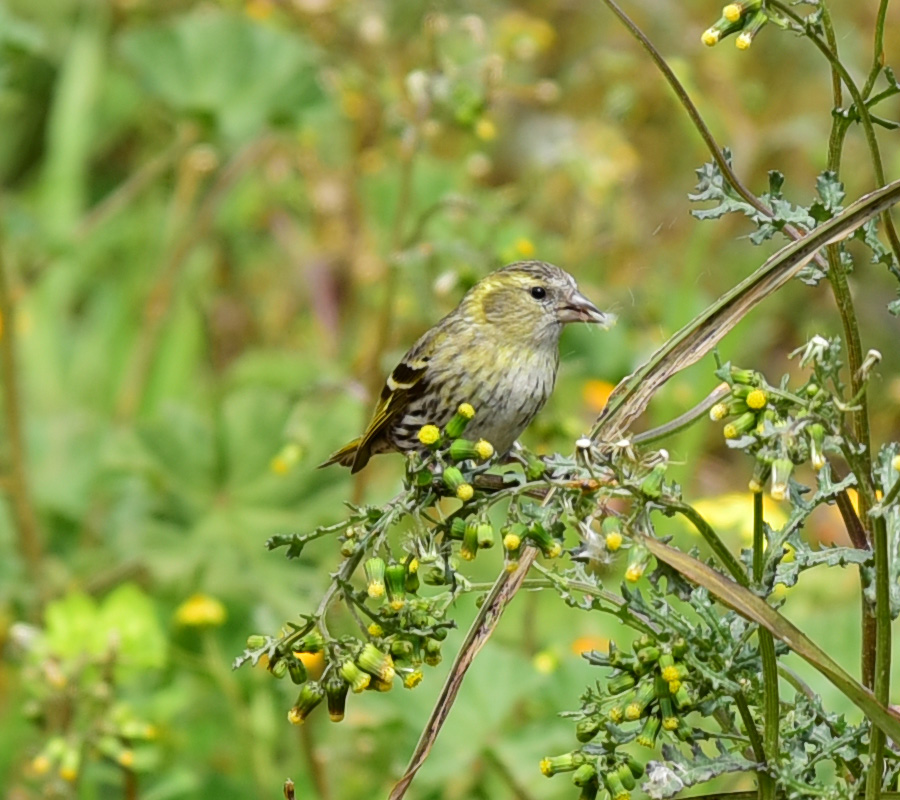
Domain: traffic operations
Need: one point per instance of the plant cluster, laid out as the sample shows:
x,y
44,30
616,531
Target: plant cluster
x,y
701,684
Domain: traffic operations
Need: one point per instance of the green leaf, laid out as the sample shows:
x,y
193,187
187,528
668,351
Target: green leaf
x,y
831,191
663,782
868,235
754,608
72,626
805,558
225,67
128,617
125,623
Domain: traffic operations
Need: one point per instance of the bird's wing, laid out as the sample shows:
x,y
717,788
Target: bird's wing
x,y
403,385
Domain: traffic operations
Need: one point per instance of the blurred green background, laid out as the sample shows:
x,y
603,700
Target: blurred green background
x,y
221,223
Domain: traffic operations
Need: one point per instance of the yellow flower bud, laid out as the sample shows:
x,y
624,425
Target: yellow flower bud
x,y
718,412
670,673
430,435
554,550
710,37
756,398
732,12
412,679
512,541
484,449
465,492
634,572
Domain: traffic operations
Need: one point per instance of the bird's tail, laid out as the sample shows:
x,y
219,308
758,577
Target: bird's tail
x,y
346,456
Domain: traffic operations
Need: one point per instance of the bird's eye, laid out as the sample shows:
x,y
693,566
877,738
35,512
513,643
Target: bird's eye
x,y
538,292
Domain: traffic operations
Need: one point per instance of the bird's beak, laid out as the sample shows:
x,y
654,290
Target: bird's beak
x,y
577,308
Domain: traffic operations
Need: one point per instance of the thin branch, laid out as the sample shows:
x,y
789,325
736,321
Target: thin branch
x,y
708,139
712,539
851,521
136,183
756,744
30,540
877,50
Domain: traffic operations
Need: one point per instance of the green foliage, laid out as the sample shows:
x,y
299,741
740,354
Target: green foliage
x,y
221,223
213,66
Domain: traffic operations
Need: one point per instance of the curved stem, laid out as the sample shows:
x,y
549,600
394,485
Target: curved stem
x,y
708,139
836,92
712,539
889,498
686,419
878,49
750,726
693,113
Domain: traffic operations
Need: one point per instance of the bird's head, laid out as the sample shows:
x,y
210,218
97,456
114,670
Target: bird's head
x,y
531,301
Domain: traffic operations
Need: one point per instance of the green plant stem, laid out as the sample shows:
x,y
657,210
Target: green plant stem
x,y
689,107
30,540
138,182
882,654
512,781
877,50
836,92
837,277
756,744
769,662
684,420
860,417
712,539
618,606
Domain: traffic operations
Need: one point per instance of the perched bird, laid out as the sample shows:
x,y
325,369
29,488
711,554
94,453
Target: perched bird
x,y
498,350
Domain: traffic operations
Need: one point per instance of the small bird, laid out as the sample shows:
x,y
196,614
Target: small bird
x,y
498,350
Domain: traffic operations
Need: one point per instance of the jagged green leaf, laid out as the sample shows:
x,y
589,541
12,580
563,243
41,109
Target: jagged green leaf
x,y
754,608
663,781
